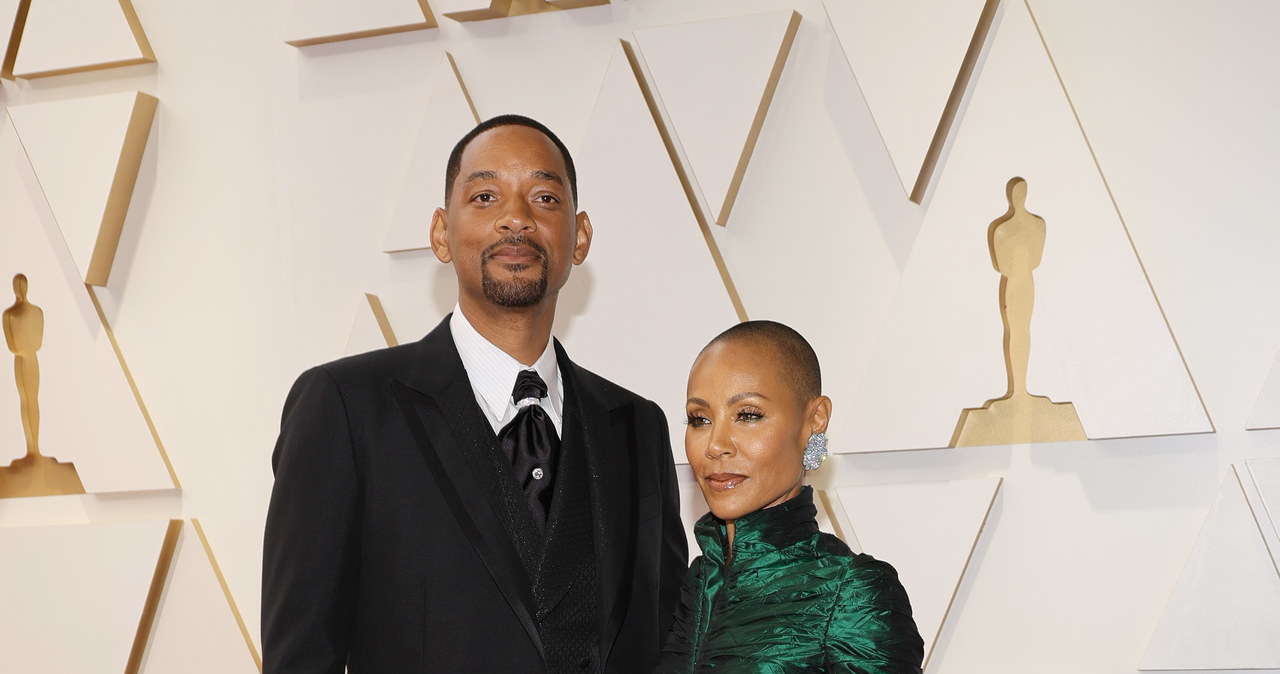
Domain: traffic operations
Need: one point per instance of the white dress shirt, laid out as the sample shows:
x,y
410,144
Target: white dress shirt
x,y
493,372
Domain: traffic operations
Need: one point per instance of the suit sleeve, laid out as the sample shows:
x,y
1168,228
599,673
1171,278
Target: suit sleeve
x,y
310,558
871,629
675,546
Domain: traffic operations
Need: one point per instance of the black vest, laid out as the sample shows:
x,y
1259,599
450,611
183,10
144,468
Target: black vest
x,y
560,562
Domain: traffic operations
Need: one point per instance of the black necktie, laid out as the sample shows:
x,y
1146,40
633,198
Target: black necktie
x,y
531,443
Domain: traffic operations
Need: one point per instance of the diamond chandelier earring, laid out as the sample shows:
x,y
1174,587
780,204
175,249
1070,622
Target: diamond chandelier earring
x,y
815,452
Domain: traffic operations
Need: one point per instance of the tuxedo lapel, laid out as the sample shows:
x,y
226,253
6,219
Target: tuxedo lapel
x,y
609,445
438,405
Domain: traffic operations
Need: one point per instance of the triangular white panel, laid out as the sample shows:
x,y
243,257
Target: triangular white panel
x,y
623,149
927,531
1266,411
906,55
1225,609
196,630
449,117
1098,338
88,412
86,153
370,330
77,35
1265,474
311,22
75,594
715,80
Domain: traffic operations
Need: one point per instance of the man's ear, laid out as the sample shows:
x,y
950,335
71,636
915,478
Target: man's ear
x,y
439,238
582,237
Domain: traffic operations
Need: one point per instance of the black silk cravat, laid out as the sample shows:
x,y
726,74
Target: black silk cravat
x,y
531,444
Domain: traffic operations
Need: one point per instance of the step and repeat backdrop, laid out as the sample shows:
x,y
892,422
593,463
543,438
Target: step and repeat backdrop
x,y
1032,243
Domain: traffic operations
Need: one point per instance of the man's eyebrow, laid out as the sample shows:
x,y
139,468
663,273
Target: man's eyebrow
x,y
481,175
549,175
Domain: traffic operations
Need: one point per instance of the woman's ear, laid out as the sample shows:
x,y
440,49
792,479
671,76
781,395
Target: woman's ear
x,y
819,413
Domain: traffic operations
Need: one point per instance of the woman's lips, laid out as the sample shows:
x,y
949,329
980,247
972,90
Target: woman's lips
x,y
725,480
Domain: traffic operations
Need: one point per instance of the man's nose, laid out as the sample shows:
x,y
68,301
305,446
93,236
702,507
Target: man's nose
x,y
516,217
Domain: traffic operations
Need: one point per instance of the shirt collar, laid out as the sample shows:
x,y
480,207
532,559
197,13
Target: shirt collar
x,y
493,371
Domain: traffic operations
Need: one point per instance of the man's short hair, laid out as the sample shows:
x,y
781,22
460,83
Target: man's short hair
x,y
455,157
790,350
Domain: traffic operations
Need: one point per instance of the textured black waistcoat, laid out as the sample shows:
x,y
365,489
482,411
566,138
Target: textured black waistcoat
x,y
560,562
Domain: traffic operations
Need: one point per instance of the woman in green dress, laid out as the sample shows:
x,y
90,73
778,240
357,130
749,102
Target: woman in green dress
x,y
770,592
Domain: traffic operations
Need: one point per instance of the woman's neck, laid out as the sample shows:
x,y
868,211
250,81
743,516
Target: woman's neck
x,y
728,527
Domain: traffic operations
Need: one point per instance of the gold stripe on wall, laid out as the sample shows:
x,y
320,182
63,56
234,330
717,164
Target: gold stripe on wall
x,y
226,591
124,367
964,80
683,175
152,606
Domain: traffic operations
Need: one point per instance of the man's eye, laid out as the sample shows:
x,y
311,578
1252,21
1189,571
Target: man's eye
x,y
483,197
547,199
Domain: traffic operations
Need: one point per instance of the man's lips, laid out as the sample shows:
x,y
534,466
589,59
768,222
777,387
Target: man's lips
x,y
725,480
515,254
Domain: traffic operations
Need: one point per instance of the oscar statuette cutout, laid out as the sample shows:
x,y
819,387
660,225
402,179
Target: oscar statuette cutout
x,y
1016,241
33,474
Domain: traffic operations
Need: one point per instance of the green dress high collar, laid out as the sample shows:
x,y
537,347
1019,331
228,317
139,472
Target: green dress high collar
x,y
790,599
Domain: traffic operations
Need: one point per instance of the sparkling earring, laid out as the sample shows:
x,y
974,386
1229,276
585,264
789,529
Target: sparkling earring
x,y
815,452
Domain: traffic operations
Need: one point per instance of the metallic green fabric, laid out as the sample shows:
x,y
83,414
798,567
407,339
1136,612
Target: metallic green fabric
x,y
791,599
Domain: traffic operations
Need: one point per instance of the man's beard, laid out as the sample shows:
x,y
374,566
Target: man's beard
x,y
518,292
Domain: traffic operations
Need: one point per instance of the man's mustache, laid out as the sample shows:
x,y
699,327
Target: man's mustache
x,y
514,241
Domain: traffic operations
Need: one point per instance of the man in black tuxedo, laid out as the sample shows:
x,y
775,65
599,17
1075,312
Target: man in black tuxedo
x,y
476,502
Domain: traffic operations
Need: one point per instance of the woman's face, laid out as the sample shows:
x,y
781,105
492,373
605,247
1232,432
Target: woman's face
x,y
747,429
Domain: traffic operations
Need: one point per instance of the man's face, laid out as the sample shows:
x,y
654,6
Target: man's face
x,y
510,229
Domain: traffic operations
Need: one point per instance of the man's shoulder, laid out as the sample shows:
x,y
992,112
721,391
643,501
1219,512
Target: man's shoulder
x,y
607,391
369,362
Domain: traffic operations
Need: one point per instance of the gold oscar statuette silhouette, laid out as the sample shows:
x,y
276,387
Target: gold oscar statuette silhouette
x,y
33,474
1016,242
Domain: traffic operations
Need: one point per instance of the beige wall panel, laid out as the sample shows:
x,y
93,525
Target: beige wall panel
x,y
311,22
927,531
622,300
449,116
1266,411
67,36
196,631
716,80
370,330
1098,338
906,56
1225,609
86,153
1265,477
88,412
8,46
74,595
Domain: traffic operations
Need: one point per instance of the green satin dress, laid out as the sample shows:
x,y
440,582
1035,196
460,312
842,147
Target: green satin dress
x,y
791,599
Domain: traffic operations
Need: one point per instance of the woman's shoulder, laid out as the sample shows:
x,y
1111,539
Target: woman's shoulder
x,y
859,569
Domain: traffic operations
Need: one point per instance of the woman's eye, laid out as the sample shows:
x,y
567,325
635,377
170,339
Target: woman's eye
x,y
749,415
696,421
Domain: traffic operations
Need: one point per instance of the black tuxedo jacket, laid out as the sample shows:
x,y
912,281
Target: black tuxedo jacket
x,y
384,550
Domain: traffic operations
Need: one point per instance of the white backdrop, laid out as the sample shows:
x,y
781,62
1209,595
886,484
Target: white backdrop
x,y
273,173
